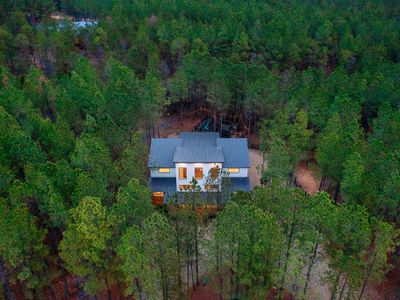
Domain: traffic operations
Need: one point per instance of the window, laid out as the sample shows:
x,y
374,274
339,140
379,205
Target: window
x,y
211,187
233,170
158,198
184,187
164,170
198,173
182,173
214,173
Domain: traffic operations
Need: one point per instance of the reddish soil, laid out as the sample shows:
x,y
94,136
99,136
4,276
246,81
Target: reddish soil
x,y
389,289
256,164
204,292
172,125
305,179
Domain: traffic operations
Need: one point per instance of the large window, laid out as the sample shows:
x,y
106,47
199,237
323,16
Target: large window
x,y
214,173
158,198
185,187
182,173
198,173
233,170
164,170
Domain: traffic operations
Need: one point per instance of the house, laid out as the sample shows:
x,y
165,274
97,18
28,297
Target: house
x,y
203,156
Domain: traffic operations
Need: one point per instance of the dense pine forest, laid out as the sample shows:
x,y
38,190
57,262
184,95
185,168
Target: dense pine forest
x,y
84,86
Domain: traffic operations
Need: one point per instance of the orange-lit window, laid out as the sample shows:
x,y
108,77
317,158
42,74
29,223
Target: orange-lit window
x,y
182,173
211,187
233,170
164,170
214,173
184,187
158,198
198,173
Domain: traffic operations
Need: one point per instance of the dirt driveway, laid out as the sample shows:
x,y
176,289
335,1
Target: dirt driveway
x,y
306,179
256,161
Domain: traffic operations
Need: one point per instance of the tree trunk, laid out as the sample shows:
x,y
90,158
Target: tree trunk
x,y
8,294
337,189
333,294
343,288
187,270
290,179
67,295
196,240
162,272
119,288
178,251
108,288
219,274
248,128
180,112
220,129
52,292
289,246
311,264
369,270
81,294
321,183
50,286
139,288
20,287
192,273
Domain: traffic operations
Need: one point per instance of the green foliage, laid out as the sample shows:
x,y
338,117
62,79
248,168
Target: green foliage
x,y
159,241
139,273
249,241
337,142
132,207
17,147
133,162
93,157
85,244
285,144
371,176
122,95
22,247
311,76
347,244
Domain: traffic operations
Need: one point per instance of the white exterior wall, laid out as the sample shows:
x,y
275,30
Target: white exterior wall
x,y
190,172
155,174
243,172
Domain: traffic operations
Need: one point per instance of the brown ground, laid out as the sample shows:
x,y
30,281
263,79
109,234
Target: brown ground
x,y
306,179
204,292
256,161
171,126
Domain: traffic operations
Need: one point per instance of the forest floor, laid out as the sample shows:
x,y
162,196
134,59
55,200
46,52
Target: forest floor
x,y
306,178
256,162
172,125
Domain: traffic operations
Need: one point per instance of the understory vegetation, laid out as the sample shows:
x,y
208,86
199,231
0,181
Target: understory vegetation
x,y
316,81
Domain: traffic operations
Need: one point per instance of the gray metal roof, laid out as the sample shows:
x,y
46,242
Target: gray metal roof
x,y
162,152
236,153
199,147
199,139
205,154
